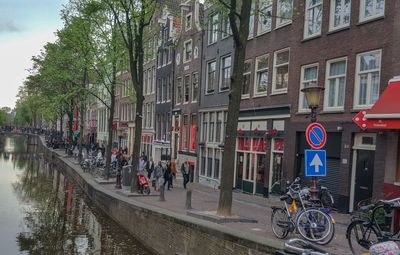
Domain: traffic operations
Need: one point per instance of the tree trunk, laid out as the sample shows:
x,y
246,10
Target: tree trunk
x,y
228,160
82,117
110,126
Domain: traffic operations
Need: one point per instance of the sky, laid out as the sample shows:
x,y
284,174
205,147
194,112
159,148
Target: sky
x,y
25,27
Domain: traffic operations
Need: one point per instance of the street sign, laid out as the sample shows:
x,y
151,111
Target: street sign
x,y
365,123
315,162
316,135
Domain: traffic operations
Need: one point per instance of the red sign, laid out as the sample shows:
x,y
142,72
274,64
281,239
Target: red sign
x,y
316,136
365,123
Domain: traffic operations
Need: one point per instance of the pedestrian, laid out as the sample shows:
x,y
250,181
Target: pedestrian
x,y
142,165
157,173
168,175
150,167
185,173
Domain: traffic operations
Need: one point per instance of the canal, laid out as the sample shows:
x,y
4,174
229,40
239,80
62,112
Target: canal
x,y
43,212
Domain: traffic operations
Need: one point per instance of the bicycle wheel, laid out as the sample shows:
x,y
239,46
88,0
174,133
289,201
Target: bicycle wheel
x,y
361,237
329,238
314,225
280,222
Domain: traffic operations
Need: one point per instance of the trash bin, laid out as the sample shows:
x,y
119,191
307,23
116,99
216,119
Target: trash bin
x,y
126,176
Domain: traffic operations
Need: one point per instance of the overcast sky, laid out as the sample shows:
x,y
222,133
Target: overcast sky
x,y
25,26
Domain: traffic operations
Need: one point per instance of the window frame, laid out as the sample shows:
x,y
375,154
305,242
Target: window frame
x,y
278,22
194,100
270,6
188,77
177,102
185,60
222,73
211,25
255,83
245,96
328,108
362,17
275,91
187,28
332,9
306,35
212,90
302,81
357,79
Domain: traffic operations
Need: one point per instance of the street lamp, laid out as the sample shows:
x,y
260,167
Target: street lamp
x,y
313,94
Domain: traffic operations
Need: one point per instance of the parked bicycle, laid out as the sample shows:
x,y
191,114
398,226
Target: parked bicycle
x,y
312,223
368,225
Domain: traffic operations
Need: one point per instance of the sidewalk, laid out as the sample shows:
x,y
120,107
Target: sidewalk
x,y
206,199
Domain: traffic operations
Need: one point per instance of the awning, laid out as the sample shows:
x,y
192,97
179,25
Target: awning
x,y
385,114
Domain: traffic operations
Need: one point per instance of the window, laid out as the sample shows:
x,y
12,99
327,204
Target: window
x,y
187,56
251,21
144,83
186,88
281,71
164,89
212,123
149,80
284,12
261,80
211,76
219,127
188,21
335,84
367,78
170,51
204,128
264,16
185,133
165,56
226,27
148,116
213,28
339,14
159,91
246,78
179,91
309,75
313,18
154,80
193,133
225,80
169,88
195,87
370,9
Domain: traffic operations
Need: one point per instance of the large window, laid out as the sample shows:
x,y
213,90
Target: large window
x,y
164,89
281,71
284,12
226,27
211,125
335,84
309,75
246,78
313,18
370,9
213,28
225,80
188,51
264,16
186,88
211,76
179,91
251,20
339,14
204,128
195,87
185,133
367,78
218,127
261,79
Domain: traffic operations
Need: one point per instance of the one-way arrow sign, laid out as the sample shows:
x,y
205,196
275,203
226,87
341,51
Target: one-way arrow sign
x,y
315,162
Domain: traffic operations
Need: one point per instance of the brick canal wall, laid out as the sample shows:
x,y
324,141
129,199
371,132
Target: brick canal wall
x,y
162,231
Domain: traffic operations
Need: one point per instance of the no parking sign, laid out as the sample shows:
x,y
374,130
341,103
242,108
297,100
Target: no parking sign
x,y
316,135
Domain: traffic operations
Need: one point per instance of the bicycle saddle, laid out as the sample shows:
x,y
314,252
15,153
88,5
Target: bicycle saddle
x,y
284,197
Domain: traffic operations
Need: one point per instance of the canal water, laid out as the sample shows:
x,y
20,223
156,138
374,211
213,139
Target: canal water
x,y
43,212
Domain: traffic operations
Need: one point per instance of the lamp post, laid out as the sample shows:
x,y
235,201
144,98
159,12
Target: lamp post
x,y
313,95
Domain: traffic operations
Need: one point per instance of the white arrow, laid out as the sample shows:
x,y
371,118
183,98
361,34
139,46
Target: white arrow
x,y
316,162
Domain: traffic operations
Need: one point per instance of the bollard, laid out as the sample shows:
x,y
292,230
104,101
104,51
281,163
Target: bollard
x,y
189,199
162,196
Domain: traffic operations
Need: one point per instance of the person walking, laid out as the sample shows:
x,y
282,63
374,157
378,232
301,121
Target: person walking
x,y
168,175
185,173
157,173
150,167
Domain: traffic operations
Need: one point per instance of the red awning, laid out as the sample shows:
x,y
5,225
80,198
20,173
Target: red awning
x,y
385,114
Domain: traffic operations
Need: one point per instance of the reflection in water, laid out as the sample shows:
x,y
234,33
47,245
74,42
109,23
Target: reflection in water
x,y
57,218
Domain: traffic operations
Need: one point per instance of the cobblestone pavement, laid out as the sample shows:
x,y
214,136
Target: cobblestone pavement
x,y
206,199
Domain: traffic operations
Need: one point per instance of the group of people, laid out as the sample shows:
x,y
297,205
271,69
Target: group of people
x,y
164,173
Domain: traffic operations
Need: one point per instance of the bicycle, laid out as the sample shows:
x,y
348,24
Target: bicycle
x,y
311,223
300,247
365,230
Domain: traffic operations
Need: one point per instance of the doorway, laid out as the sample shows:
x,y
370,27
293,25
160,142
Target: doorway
x,y
362,169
